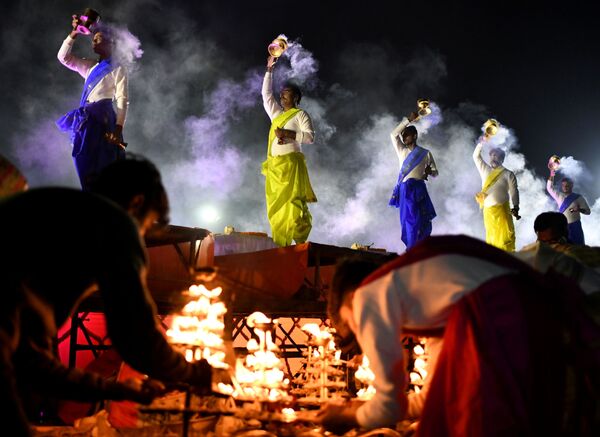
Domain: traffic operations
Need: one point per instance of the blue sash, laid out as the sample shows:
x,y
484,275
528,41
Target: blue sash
x,y
413,159
74,120
568,200
103,68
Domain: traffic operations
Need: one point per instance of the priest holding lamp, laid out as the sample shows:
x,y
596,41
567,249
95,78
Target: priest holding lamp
x,y
571,204
288,189
498,184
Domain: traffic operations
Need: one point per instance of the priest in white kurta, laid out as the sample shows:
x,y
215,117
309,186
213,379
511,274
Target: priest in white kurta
x,y
499,185
572,205
287,187
410,194
96,129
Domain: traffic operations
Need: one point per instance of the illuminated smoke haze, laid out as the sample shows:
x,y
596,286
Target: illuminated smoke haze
x,y
196,111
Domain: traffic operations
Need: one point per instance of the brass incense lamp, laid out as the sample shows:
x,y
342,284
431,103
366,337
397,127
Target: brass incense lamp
x,y
87,21
278,46
490,127
554,163
423,109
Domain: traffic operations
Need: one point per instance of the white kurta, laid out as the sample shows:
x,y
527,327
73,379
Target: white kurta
x,y
112,86
402,151
299,123
506,184
559,197
416,296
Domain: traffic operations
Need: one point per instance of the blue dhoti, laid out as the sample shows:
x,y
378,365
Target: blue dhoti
x,y
416,210
91,151
576,233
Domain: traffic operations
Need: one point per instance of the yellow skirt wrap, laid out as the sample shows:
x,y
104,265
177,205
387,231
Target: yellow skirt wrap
x,y
288,191
499,227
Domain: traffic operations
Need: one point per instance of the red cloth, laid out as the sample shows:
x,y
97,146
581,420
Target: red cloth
x,y
515,361
520,354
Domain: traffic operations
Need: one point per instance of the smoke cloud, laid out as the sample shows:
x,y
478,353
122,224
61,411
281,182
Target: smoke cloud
x,y
196,111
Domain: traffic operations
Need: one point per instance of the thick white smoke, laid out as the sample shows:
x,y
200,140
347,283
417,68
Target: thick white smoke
x,y
196,112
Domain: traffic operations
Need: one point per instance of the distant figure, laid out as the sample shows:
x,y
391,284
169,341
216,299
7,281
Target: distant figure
x,y
553,251
571,204
497,184
90,244
287,185
410,194
96,130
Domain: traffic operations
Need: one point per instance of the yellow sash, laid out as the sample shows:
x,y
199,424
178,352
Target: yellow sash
x,y
489,181
280,121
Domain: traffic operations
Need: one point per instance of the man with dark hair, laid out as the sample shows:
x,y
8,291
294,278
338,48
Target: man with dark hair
x,y
497,184
551,227
136,186
96,129
500,322
349,273
410,194
553,250
287,185
89,244
571,204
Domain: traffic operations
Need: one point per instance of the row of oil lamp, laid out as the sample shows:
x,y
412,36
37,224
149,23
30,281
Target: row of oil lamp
x,y
259,377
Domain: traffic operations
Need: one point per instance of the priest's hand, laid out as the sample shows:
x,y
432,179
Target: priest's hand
x,y
271,61
515,212
74,25
116,136
412,116
338,418
284,135
142,391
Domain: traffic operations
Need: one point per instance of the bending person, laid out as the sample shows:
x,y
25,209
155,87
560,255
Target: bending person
x,y
410,194
497,184
96,129
490,377
93,245
287,186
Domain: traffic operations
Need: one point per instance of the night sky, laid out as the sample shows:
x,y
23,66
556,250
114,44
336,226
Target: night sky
x,y
533,67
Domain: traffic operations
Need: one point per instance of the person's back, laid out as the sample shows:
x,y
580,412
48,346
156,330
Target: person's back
x,y
60,242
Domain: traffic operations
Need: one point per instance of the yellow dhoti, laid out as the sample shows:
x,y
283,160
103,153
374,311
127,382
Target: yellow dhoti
x,y
499,227
288,191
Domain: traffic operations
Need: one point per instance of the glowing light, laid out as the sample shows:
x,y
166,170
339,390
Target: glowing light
x,y
198,330
209,214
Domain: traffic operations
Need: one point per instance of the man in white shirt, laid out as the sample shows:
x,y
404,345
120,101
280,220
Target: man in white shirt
x,y
288,189
553,251
488,377
96,130
410,194
571,204
497,184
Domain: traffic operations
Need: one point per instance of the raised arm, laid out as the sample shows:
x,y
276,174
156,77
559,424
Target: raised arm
x,y
270,104
482,167
72,62
80,65
551,190
397,133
